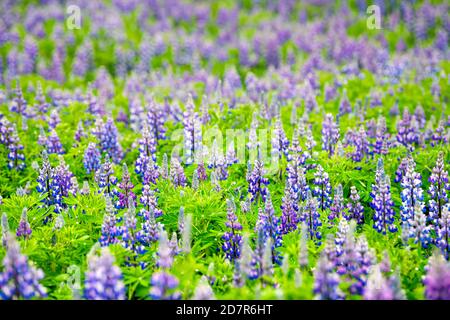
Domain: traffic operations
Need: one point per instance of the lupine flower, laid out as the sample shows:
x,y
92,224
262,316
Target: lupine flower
x,y
129,234
164,167
91,159
437,279
19,279
164,284
438,189
341,236
344,104
19,104
365,258
337,208
54,144
195,180
443,233
192,132
201,172
401,170
125,194
280,144
150,228
16,158
147,150
110,230
270,225
24,229
412,193
61,184
355,210
381,143
104,176
177,173
232,238
80,133
256,181
267,262
419,230
383,206
203,291
289,207
297,179
44,180
217,162
108,137
377,287
148,199
103,278
151,173
303,259
326,280
439,136
323,188
5,229
54,119
407,132
311,217
245,267
330,134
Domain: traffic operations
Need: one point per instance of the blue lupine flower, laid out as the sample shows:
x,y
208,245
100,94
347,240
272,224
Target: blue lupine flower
x,y
19,279
147,150
108,138
438,189
326,280
330,134
54,144
418,229
323,188
110,230
24,229
412,193
192,132
311,217
61,185
384,215
125,190
443,233
280,144
381,143
177,175
92,158
355,210
437,279
232,238
130,239
256,181
16,158
103,278
297,179
337,208
289,207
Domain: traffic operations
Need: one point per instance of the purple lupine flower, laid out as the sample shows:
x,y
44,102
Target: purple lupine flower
x,y
164,170
108,137
203,291
54,144
104,176
16,158
5,229
365,258
110,230
412,193
151,173
192,132
42,138
401,170
437,279
232,238
384,215
381,143
42,105
377,287
163,283
24,229
439,136
311,217
44,180
19,104
130,238
103,279
361,145
322,190
438,189
355,210
280,143
201,172
337,208
156,121
126,190
150,228
330,134
270,225
147,150
443,233
418,229
19,279
82,60
289,207
257,182
344,104
326,280
297,179
92,158
53,119
61,184
148,199
80,133
177,175
407,131
217,161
